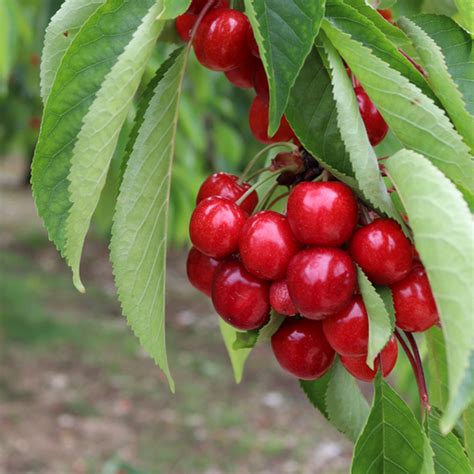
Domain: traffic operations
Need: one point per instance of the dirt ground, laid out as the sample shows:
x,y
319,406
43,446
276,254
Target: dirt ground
x,y
78,395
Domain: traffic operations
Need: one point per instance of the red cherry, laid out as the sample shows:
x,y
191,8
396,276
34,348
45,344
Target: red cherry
x,y
267,245
280,299
197,5
215,226
359,369
221,43
387,14
184,25
260,83
253,46
322,213
228,186
243,76
321,281
415,307
201,269
375,124
300,348
258,120
348,330
382,251
240,298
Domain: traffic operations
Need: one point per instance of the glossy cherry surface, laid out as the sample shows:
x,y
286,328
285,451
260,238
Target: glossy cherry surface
x,y
184,25
240,298
253,46
280,299
322,213
415,307
197,5
359,369
221,40
375,124
215,226
301,348
260,83
258,120
228,186
321,281
382,251
200,269
243,76
348,330
267,245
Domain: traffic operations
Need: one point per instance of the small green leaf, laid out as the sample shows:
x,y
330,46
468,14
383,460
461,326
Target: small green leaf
x,y
346,406
468,418
381,323
250,339
238,357
139,232
285,33
245,340
392,439
438,365
316,390
443,228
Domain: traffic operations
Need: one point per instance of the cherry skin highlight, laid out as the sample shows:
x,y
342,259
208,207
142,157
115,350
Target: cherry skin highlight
x,y
322,213
200,269
375,124
221,41
240,298
280,299
382,251
321,281
359,369
227,185
184,25
415,307
348,330
215,226
260,83
301,349
267,245
243,75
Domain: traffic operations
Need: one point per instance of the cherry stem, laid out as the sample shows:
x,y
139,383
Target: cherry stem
x,y
257,173
266,198
202,14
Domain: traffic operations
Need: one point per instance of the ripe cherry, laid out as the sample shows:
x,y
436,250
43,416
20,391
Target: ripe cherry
x,y
348,330
260,83
322,213
228,186
415,307
359,369
240,298
201,269
184,25
258,120
215,226
375,124
382,251
280,299
221,41
253,46
197,5
321,281
243,75
301,348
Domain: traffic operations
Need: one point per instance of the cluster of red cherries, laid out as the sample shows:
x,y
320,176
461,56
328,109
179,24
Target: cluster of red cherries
x,y
224,41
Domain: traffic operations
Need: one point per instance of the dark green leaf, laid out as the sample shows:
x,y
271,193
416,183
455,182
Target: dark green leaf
x,y
468,419
249,339
438,365
316,390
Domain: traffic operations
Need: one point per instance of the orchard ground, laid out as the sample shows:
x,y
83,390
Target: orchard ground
x,y
77,395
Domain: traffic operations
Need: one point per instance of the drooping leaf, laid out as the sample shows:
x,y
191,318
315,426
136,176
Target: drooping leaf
x,y
449,455
434,63
249,339
346,406
381,323
285,33
139,232
316,390
438,365
413,117
468,419
59,34
392,439
95,145
443,228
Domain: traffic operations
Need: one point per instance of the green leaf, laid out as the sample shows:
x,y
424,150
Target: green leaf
x,y
89,59
443,228
139,232
316,390
312,114
285,33
449,455
250,339
466,14
238,357
95,145
392,440
346,406
354,134
438,365
381,323
417,122
174,8
62,29
445,88
468,419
